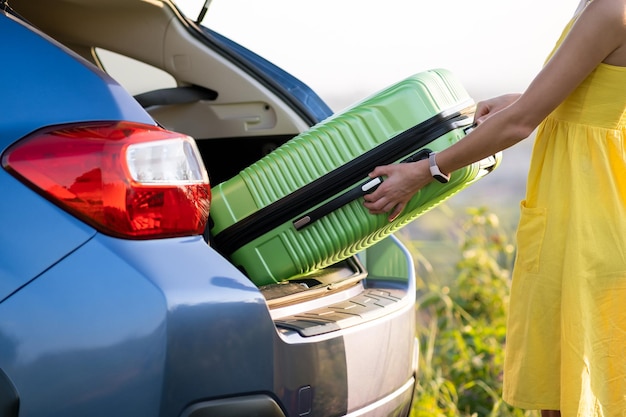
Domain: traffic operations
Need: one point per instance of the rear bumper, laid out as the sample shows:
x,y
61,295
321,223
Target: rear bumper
x,y
363,370
396,404
355,355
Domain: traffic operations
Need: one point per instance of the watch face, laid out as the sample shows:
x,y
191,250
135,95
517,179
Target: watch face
x,y
441,178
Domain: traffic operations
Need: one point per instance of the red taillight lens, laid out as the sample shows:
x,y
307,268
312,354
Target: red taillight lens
x,y
126,179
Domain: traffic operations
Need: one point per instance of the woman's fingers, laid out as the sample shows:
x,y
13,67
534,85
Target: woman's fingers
x,y
399,185
396,212
378,205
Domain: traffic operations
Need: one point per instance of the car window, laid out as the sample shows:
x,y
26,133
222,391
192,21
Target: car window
x,y
135,76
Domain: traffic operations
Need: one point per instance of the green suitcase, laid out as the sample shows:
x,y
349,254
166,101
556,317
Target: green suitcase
x,y
298,209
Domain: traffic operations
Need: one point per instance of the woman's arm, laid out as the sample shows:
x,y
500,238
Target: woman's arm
x,y
487,108
599,31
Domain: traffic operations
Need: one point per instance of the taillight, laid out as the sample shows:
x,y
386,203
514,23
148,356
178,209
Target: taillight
x,y
125,179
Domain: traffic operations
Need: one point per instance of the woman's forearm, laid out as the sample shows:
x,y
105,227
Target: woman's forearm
x,y
500,131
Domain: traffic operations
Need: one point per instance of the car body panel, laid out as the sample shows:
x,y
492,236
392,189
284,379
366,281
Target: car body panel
x,y
214,314
38,234
141,329
92,95
77,350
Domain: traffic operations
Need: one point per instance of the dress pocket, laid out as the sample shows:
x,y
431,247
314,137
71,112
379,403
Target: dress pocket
x,y
530,234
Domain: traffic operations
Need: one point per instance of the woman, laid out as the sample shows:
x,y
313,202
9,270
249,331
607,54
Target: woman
x,y
566,336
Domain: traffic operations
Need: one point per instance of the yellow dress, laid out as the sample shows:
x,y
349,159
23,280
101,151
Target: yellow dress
x,y
566,336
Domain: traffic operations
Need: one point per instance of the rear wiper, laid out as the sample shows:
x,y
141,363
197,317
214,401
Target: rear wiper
x,y
203,11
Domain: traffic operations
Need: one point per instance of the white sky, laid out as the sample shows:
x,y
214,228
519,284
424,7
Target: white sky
x,y
346,49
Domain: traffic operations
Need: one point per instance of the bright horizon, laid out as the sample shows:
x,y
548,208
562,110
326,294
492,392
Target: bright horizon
x,y
346,49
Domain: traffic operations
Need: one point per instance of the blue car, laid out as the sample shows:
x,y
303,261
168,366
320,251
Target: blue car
x,y
113,301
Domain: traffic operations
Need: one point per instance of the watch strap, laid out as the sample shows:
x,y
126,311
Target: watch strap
x,y
435,171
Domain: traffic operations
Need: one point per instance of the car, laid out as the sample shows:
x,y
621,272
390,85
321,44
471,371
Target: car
x,y
113,299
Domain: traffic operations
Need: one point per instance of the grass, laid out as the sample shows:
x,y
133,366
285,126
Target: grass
x,y
462,320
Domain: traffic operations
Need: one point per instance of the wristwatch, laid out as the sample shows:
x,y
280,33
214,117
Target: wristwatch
x,y
435,171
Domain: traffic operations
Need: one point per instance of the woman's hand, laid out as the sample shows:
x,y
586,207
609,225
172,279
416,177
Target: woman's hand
x,y
487,108
401,182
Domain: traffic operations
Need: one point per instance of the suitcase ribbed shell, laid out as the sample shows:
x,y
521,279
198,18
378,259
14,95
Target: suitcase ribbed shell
x,y
285,251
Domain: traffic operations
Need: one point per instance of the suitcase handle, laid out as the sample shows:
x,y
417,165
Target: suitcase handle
x,y
365,187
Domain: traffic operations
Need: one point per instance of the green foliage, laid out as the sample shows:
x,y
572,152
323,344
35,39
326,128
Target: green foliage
x,y
462,323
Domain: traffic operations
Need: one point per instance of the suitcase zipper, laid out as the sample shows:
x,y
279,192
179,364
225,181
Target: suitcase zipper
x,y
366,187
286,208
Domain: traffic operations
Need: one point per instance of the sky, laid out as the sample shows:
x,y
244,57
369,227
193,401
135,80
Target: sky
x,y
347,49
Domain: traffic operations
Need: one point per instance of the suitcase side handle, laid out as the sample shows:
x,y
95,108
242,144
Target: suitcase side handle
x,y
366,187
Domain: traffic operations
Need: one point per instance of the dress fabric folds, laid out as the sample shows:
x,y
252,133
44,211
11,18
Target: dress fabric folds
x,y
566,337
